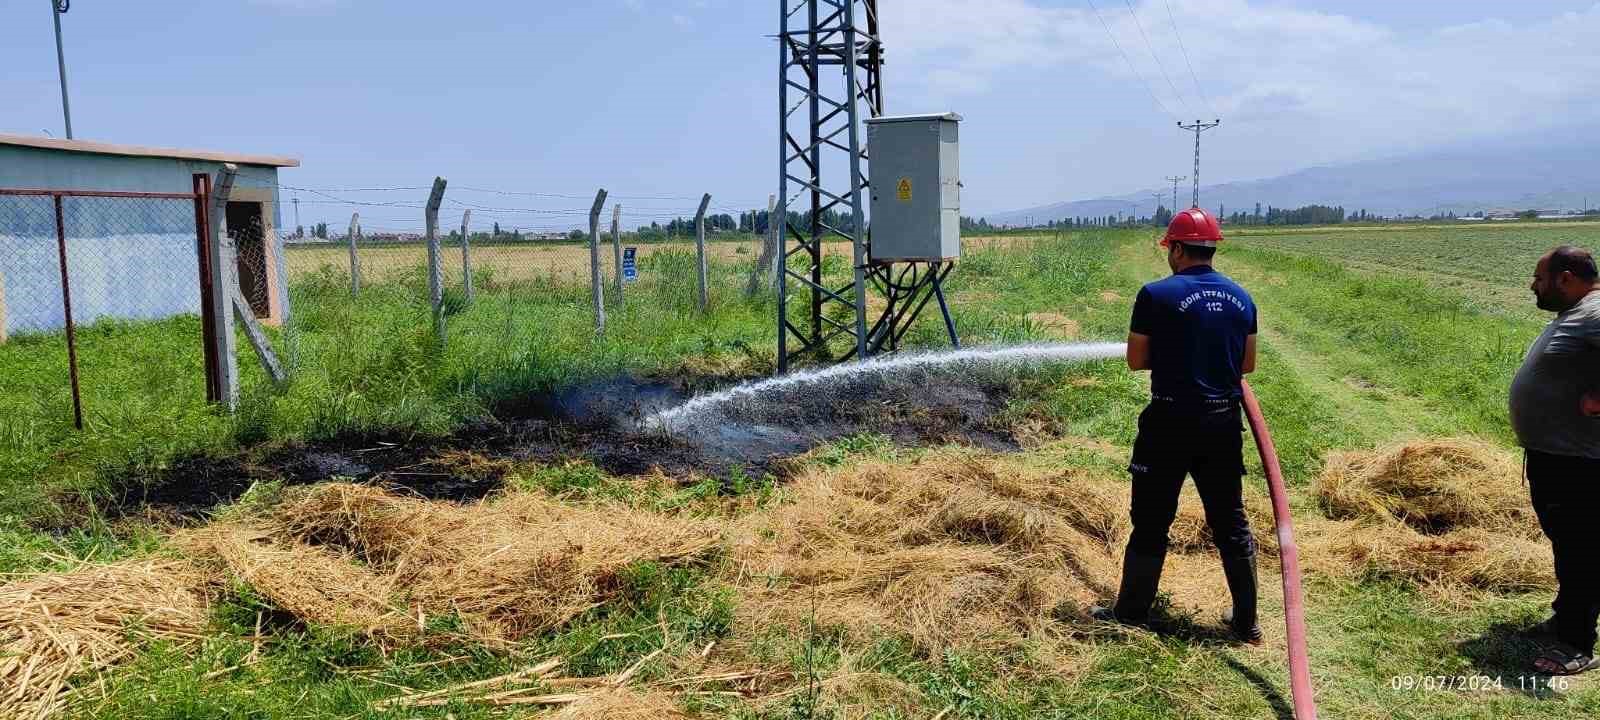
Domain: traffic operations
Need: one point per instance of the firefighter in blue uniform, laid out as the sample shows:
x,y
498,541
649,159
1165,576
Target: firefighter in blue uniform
x,y
1195,331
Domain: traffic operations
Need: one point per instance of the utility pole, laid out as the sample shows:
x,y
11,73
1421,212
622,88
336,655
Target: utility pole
x,y
296,202
59,8
1197,128
1175,179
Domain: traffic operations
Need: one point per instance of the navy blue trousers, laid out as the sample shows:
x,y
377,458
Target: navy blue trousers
x,y
1174,443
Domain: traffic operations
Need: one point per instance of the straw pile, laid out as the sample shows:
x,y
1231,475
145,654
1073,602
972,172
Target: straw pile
x,y
510,567
58,626
946,550
313,584
1433,486
1474,558
1448,515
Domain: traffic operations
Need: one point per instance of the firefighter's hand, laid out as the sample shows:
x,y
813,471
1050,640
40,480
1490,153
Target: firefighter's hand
x,y
1591,404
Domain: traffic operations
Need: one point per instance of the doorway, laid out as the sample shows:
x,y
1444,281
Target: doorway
x,y
248,230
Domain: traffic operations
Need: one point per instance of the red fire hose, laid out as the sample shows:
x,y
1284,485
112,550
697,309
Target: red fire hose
x,y
1294,610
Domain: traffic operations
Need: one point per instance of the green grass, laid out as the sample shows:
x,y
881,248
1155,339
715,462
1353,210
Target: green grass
x,y
1351,357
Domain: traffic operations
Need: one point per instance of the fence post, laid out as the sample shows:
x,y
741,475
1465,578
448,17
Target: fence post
x,y
763,270
616,248
700,248
435,273
66,312
466,255
224,280
355,262
598,290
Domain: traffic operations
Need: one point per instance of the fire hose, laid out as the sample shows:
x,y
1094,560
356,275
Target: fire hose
x,y
1294,611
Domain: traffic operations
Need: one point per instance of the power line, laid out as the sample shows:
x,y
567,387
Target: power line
x,y
1197,88
1159,65
1125,59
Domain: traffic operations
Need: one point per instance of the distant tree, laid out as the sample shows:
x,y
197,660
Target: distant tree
x,y
577,235
1528,214
497,229
299,231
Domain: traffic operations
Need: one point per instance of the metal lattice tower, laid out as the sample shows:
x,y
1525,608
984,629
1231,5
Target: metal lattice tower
x,y
1175,179
821,160
1197,128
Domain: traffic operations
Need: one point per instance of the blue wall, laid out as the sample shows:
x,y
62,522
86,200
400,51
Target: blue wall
x,y
133,259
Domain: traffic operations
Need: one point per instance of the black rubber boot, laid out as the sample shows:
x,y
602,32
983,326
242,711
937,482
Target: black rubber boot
x,y
1241,575
1141,576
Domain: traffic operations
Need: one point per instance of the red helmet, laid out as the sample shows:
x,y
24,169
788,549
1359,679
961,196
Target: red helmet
x,y
1193,227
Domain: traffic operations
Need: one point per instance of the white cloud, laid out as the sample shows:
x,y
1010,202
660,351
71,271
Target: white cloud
x,y
1267,64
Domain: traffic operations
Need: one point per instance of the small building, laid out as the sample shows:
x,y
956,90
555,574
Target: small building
x,y
128,258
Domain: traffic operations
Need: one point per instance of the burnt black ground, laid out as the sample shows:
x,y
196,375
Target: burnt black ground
x,y
598,422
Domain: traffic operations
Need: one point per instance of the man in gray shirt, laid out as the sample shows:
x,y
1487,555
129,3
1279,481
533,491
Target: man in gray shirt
x,y
1555,411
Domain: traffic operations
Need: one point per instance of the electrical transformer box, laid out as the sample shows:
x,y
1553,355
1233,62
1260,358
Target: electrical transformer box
x,y
916,187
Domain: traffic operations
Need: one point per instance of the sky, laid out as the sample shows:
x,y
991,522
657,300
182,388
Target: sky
x,y
659,101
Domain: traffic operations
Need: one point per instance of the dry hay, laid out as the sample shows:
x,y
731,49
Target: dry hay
x,y
1054,325
1448,515
948,550
512,566
313,584
1433,486
1471,559
471,465
621,704
57,626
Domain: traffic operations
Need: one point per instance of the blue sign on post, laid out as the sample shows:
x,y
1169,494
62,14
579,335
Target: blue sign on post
x,y
630,268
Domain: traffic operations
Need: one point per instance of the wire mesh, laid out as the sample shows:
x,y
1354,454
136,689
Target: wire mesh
x,y
526,282
131,266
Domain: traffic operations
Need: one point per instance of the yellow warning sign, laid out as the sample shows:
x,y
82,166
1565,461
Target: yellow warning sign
x,y
903,190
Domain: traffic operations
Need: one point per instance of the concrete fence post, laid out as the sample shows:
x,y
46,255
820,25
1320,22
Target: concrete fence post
x,y
763,275
355,262
596,288
435,272
700,249
224,280
616,248
466,255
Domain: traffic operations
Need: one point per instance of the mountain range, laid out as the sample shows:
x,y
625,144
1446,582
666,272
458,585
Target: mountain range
x,y
1552,173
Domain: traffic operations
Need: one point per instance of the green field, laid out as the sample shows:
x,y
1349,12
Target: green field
x,y
1370,337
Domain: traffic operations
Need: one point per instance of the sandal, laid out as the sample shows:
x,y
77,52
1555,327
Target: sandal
x,y
1563,659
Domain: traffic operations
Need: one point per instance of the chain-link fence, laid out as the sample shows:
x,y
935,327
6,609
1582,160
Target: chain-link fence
x,y
359,293
126,332
342,306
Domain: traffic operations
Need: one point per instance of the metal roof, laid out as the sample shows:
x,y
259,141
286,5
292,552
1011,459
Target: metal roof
x,y
100,148
912,118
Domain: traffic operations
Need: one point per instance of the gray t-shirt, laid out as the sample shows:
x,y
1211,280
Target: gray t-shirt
x,y
1562,365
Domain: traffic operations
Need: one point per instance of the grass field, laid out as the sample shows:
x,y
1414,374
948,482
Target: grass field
x,y
791,604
